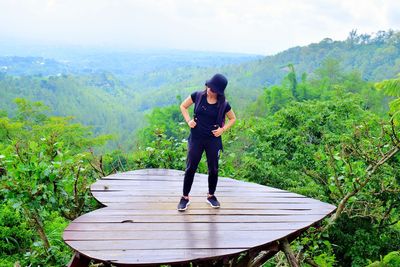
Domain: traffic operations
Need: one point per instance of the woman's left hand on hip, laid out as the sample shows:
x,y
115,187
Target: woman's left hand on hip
x,y
218,132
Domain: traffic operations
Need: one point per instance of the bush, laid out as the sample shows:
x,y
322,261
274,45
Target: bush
x,y
15,234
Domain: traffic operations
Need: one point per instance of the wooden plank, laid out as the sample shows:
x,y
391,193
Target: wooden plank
x,y
198,178
195,193
195,190
174,244
142,178
228,205
110,211
160,183
172,185
155,185
200,218
172,178
185,234
150,171
156,227
147,256
222,199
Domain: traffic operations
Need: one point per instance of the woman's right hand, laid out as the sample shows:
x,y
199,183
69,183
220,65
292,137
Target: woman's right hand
x,y
192,124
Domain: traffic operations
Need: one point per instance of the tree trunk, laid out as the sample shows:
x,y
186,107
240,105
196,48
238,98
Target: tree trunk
x,y
37,223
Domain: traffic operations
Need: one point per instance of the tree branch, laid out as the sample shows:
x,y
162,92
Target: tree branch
x,y
371,169
285,246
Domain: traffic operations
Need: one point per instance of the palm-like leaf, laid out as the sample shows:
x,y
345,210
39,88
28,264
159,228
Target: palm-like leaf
x,y
390,87
395,104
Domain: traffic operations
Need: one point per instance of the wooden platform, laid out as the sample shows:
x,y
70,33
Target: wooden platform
x,y
141,224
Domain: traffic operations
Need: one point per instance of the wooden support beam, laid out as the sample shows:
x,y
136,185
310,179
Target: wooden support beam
x,y
264,255
291,258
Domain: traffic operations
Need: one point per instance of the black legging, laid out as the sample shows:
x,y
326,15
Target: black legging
x,y
196,146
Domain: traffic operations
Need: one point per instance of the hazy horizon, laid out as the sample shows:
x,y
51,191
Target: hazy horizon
x,y
24,47
36,49
256,27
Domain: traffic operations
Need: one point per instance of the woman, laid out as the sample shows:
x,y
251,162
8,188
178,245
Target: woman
x,y
207,126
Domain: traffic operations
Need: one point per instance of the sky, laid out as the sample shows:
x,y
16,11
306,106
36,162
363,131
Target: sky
x,y
261,27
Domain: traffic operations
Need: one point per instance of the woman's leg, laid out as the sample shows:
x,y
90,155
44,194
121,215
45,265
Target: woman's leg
x,y
195,150
213,148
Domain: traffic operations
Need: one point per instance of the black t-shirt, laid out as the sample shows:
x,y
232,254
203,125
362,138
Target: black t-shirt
x,y
206,117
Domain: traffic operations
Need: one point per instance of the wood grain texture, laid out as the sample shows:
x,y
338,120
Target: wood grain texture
x,y
140,224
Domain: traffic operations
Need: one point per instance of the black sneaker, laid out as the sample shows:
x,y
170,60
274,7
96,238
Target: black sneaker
x,y
213,202
183,204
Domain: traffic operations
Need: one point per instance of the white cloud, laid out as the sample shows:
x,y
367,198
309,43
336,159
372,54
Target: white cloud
x,y
252,26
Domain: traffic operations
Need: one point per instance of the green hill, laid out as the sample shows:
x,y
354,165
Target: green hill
x,y
376,57
99,101
113,95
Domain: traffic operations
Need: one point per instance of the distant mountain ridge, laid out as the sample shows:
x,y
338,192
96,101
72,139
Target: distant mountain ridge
x,y
121,64
113,94
376,57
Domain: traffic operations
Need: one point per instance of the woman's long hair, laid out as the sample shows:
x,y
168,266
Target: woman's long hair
x,y
220,105
220,100
221,110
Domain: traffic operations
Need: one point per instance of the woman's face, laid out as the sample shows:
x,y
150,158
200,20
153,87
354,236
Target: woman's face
x,y
210,92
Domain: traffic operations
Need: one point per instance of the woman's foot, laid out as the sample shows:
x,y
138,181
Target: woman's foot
x,y
183,203
213,201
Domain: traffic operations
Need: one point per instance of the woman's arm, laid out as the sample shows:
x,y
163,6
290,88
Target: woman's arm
x,y
232,118
184,109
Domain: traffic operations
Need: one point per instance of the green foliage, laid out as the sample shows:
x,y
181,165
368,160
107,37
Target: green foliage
x,y
330,82
392,259
319,146
96,100
167,120
306,147
325,260
46,171
317,247
44,162
162,152
324,148
392,88
321,135
359,239
288,143
59,254
19,240
15,235
114,101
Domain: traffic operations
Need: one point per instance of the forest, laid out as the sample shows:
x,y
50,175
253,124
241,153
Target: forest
x,y
328,130
113,91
